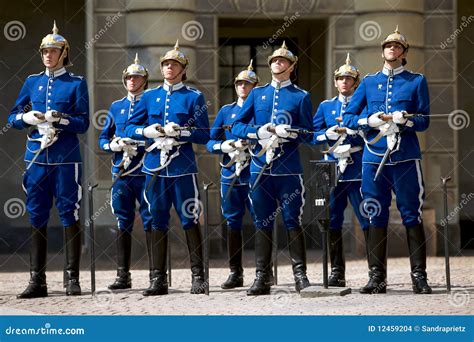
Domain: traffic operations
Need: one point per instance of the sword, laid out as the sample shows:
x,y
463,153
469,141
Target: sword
x,y
55,114
445,181
206,237
382,163
161,129
90,189
390,147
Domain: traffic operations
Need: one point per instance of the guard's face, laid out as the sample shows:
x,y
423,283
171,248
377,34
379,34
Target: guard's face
x,y
172,70
393,51
344,84
243,89
135,83
51,57
280,64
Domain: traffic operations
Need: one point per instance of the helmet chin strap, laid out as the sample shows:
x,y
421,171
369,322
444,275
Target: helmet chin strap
x,y
135,92
394,59
178,74
55,67
282,72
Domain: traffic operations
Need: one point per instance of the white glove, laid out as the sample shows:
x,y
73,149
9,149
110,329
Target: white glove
x,y
115,145
351,131
227,147
374,120
152,131
399,117
240,145
31,119
170,131
49,116
281,131
263,132
331,133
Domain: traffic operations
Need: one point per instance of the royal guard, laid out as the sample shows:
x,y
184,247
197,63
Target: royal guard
x,y
54,106
276,117
235,173
345,147
398,107
128,178
172,118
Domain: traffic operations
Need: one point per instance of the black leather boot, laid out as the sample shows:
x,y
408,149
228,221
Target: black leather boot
x,y
234,248
338,264
377,257
263,261
38,255
417,249
194,241
297,247
157,246
124,253
73,258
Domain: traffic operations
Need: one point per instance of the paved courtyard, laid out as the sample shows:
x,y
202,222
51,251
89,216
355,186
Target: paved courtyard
x,y
283,300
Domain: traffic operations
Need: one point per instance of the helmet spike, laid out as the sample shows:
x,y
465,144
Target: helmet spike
x,y
250,67
55,28
136,61
396,29
348,59
176,46
283,46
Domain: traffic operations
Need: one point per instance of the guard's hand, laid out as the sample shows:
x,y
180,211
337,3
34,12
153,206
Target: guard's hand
x,y
51,117
115,145
375,120
399,117
170,130
33,117
228,146
332,134
281,131
241,144
153,131
263,132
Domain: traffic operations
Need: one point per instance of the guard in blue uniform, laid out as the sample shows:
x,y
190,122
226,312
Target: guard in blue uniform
x,y
346,147
235,173
172,117
129,181
274,117
54,106
398,106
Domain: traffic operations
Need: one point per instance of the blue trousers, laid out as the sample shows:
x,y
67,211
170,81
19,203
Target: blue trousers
x,y
43,183
277,194
126,192
233,207
343,192
405,180
182,192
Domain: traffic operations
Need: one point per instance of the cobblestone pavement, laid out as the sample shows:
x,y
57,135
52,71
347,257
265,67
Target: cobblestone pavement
x,y
399,299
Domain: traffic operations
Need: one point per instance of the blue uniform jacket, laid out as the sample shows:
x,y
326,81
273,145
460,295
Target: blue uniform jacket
x,y
389,91
182,105
61,91
226,116
288,104
325,118
117,118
